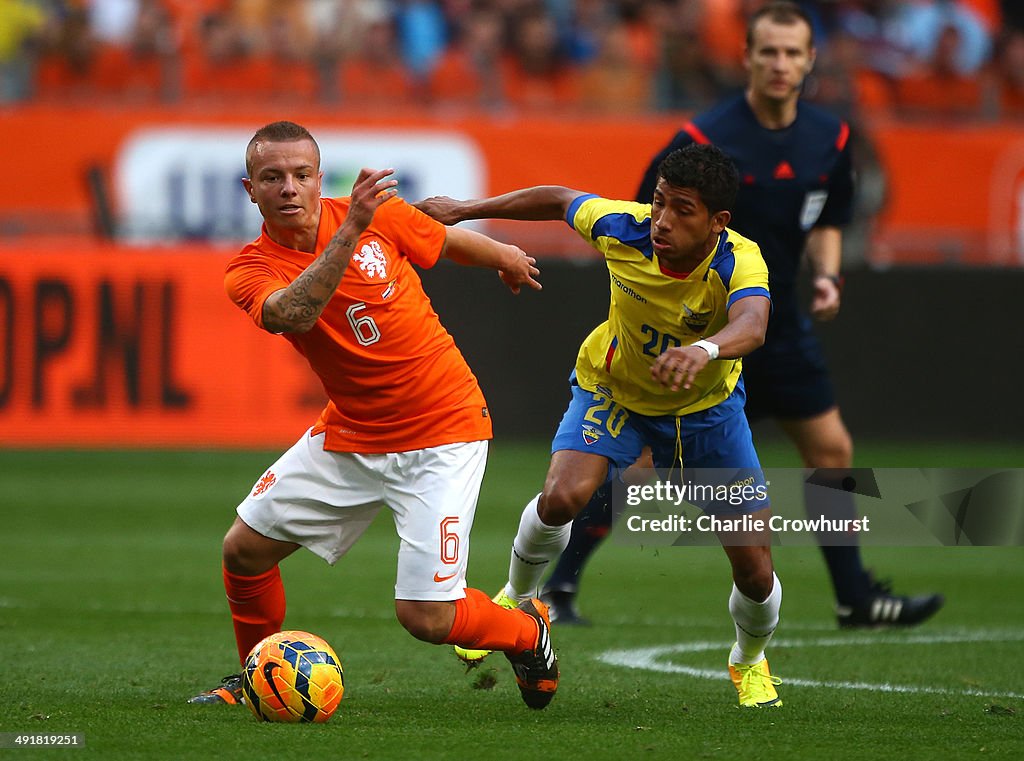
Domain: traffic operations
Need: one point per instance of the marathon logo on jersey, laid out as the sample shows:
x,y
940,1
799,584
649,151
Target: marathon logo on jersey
x,y
371,261
814,202
268,480
591,434
696,321
626,289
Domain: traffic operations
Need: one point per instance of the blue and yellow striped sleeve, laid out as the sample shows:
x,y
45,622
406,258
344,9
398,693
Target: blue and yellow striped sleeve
x,y
749,276
740,267
603,222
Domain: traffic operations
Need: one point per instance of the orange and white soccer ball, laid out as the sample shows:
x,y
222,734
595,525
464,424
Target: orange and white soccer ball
x,y
293,677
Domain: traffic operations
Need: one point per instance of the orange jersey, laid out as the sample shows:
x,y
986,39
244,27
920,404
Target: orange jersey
x,y
395,379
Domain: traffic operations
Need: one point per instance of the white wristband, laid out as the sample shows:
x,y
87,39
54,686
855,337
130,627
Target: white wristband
x,y
708,346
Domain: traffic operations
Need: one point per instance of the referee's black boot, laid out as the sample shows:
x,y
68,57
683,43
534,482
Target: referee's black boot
x,y
562,607
882,608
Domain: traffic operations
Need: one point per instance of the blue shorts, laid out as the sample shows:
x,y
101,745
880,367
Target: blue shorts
x,y
714,444
788,378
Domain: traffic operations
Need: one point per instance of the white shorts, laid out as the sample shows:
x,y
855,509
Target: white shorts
x,y
324,501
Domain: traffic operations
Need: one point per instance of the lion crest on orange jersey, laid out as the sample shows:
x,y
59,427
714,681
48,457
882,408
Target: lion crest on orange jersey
x,y
371,260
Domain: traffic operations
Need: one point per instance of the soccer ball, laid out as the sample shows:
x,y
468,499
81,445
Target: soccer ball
x,y
292,677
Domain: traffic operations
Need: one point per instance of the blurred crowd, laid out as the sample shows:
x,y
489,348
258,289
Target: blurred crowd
x,y
961,59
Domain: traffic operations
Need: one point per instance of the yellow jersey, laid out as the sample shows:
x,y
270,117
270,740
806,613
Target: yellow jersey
x,y
653,309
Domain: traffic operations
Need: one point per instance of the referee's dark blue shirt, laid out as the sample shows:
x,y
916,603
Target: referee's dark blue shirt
x,y
791,180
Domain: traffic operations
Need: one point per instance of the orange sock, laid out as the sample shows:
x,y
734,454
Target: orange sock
x,y
257,607
481,624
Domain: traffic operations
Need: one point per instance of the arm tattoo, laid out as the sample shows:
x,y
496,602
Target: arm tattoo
x,y
299,306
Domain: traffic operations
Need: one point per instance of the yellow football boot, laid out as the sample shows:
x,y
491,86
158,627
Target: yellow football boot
x,y
756,685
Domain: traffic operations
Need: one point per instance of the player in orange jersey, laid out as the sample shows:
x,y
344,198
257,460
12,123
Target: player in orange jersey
x,y
406,426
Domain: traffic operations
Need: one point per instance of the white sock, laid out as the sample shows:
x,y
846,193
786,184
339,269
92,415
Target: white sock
x,y
534,547
755,623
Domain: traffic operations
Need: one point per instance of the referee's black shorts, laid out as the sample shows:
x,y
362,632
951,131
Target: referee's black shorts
x,y
788,378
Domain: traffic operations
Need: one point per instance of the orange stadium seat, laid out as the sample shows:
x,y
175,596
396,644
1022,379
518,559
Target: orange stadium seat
x,y
933,95
455,80
369,82
539,92
120,72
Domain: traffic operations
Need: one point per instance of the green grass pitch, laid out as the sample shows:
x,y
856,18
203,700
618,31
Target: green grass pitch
x,y
112,615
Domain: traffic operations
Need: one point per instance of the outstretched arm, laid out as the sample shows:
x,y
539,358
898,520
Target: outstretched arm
x,y
542,202
515,268
748,320
296,309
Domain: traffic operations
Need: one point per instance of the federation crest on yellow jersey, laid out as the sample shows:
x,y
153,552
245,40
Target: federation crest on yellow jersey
x,y
696,321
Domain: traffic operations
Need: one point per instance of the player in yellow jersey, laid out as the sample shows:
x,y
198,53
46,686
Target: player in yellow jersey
x,y
796,196
689,298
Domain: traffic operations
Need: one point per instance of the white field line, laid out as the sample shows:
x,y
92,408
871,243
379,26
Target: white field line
x,y
654,659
